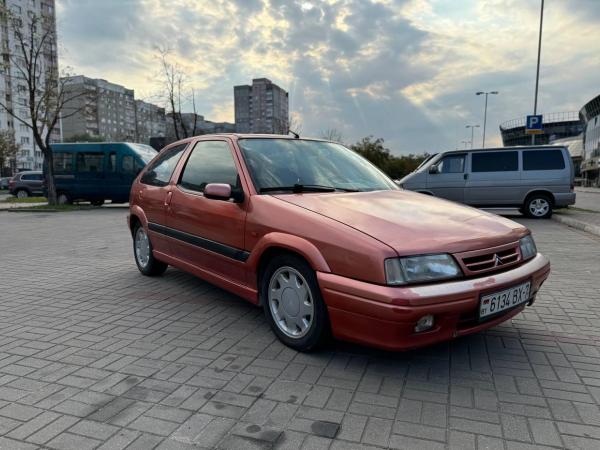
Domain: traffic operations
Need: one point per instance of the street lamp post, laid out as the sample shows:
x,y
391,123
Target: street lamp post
x,y
472,127
466,143
485,111
537,73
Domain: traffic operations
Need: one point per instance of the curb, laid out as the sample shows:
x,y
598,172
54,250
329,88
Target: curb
x,y
578,224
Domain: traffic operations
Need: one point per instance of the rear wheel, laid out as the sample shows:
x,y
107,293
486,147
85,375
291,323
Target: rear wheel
x,y
97,202
142,251
538,206
22,193
292,302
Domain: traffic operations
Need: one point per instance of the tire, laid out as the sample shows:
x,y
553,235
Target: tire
x,y
22,193
538,206
296,311
97,202
63,198
146,263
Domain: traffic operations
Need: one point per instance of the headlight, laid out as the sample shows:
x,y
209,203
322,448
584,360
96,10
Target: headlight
x,y
528,249
418,269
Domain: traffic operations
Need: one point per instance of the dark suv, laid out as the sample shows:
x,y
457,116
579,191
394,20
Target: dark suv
x,y
26,184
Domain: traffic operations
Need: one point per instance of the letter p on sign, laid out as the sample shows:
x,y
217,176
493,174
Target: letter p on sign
x,y
534,125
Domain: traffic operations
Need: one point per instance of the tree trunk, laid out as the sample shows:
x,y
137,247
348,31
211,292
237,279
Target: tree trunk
x,y
49,161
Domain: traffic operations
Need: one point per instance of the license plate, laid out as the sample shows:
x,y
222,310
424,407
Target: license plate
x,y
497,302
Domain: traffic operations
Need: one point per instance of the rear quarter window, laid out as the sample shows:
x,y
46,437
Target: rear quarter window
x,y
495,161
543,160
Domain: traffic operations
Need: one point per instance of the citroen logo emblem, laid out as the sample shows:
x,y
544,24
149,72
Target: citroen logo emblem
x,y
498,261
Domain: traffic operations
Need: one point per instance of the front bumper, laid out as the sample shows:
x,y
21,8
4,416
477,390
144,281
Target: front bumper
x,y
385,316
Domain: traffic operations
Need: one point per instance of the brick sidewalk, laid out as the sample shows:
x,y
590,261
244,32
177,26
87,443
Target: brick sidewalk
x,y
93,355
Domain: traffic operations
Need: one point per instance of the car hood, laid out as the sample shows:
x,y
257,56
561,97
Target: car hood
x,y
412,223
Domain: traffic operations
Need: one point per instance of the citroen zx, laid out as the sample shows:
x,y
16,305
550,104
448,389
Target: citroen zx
x,y
326,243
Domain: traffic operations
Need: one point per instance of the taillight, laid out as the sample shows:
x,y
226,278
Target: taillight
x,y
11,183
572,187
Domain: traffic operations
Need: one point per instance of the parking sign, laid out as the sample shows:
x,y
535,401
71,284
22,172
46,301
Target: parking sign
x,y
534,125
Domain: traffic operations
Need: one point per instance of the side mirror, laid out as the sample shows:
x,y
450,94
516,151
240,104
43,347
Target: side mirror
x,y
434,169
222,191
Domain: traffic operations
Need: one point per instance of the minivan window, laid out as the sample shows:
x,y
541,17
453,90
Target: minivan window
x,y
209,162
112,162
63,162
90,161
159,173
130,165
543,160
495,161
452,164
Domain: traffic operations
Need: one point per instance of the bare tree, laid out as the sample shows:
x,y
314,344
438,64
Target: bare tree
x,y
35,62
175,91
332,134
8,148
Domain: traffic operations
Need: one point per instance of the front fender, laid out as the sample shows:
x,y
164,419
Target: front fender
x,y
288,242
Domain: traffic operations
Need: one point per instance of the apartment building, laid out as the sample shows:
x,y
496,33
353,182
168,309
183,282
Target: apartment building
x,y
13,89
99,108
150,121
261,108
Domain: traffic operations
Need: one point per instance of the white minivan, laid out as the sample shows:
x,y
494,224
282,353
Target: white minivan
x,y
534,179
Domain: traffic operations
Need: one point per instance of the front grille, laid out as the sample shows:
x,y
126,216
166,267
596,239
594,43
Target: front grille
x,y
491,259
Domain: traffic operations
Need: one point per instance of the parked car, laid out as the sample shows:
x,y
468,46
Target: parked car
x,y
323,240
534,179
26,184
4,182
97,171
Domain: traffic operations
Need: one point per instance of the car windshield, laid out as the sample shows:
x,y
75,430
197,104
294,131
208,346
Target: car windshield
x,y
144,151
313,165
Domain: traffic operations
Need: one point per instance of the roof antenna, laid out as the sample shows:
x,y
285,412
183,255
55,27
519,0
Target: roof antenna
x,y
296,135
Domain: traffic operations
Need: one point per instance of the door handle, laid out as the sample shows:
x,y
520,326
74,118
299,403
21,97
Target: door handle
x,y
168,199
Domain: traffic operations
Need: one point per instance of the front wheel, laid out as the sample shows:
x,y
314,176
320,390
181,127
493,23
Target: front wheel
x,y
293,303
64,199
538,206
97,202
142,250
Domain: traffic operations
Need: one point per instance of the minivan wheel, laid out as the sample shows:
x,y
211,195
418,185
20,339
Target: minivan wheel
x,y
22,193
538,206
293,303
97,202
142,251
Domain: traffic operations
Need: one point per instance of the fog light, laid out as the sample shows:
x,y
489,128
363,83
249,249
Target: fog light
x,y
424,323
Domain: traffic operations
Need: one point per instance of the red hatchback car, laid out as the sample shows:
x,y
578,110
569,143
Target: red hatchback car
x,y
325,242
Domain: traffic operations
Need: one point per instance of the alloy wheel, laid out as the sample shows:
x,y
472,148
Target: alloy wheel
x,y
142,247
539,207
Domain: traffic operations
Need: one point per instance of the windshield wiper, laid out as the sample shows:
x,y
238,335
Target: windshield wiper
x,y
297,188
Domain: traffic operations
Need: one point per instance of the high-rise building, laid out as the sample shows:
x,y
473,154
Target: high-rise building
x,y
99,109
261,108
13,90
149,121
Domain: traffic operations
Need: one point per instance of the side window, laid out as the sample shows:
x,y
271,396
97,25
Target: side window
x,y
543,160
159,173
452,164
90,161
495,161
31,177
127,164
63,162
112,162
209,162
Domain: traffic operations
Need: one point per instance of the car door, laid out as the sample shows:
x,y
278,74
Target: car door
x,y
154,191
446,178
34,182
90,174
494,179
111,174
208,233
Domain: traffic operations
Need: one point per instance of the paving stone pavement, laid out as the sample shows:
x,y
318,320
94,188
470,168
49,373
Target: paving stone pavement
x,y
95,356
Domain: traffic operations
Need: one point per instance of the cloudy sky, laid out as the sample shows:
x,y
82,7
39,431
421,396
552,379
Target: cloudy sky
x,y
403,70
